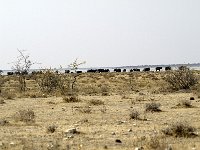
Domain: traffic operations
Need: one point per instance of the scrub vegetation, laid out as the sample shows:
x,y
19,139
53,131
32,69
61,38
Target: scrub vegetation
x,y
111,110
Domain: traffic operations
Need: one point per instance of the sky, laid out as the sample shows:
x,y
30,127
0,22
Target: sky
x,y
104,33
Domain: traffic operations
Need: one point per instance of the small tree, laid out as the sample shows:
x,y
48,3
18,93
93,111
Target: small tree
x,y
74,66
183,78
21,68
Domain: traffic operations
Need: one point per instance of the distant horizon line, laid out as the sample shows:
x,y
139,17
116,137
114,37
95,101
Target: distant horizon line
x,y
128,66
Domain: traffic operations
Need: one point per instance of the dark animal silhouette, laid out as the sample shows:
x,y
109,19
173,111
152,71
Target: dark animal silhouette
x,y
158,68
10,73
136,69
79,71
146,69
117,70
168,68
67,71
92,70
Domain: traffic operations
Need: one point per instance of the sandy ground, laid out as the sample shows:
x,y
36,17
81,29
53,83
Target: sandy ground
x,y
99,126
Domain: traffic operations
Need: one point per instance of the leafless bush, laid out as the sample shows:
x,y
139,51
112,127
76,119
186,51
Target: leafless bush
x,y
71,99
22,67
104,90
2,101
185,104
134,114
8,95
156,143
51,128
85,109
181,79
96,102
152,107
3,122
180,129
103,109
25,115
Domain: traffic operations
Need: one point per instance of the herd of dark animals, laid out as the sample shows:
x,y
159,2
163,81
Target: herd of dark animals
x,y
95,71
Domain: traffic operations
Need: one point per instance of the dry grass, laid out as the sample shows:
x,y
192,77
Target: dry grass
x,y
100,119
96,102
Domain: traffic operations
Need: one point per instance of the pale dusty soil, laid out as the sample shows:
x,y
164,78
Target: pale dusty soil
x,y
105,123
96,128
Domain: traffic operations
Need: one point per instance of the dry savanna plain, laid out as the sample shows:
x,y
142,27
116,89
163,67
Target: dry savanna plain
x,y
97,111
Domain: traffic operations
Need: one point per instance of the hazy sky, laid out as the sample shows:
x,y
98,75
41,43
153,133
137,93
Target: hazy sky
x,y
100,32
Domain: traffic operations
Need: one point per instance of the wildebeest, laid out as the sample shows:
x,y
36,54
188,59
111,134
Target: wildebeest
x,y
67,71
36,72
92,70
117,70
124,70
146,69
25,72
10,73
136,69
183,68
79,71
158,68
100,70
103,70
168,68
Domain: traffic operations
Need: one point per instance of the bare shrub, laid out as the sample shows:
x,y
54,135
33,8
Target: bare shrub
x,y
156,143
25,115
22,67
90,89
185,104
134,114
54,145
103,109
152,107
140,98
3,122
51,128
37,95
8,95
104,90
96,102
85,109
181,79
180,129
71,99
2,101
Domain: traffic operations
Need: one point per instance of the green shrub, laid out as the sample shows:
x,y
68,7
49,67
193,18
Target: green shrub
x,y
49,81
181,79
